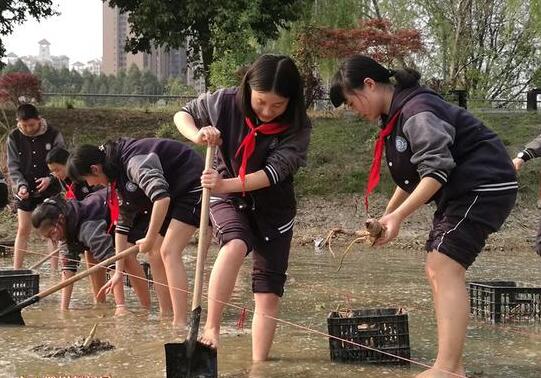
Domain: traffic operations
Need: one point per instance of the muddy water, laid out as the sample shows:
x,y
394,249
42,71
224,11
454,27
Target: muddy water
x,y
369,278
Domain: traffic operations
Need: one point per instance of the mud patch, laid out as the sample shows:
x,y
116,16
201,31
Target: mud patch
x,y
77,350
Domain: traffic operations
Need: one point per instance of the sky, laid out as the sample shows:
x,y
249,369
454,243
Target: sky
x,y
76,32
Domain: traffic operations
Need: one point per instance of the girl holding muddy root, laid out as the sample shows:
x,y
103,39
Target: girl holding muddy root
x,y
435,152
84,226
154,188
263,133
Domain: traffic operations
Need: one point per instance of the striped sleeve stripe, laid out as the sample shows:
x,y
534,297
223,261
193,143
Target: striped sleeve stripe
x,y
501,188
122,230
529,154
286,227
271,172
498,185
196,189
439,174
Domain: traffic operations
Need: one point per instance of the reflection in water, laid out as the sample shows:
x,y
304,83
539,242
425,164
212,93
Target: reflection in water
x,y
368,279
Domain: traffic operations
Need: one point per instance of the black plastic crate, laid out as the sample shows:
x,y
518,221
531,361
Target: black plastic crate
x,y
379,329
6,248
505,301
148,275
21,284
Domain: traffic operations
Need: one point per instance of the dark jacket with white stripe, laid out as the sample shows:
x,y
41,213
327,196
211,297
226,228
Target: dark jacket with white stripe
x,y
152,169
80,189
26,159
88,224
279,155
433,138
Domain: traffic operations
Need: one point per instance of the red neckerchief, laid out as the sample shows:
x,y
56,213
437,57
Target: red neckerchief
x,y
248,143
373,177
70,194
113,204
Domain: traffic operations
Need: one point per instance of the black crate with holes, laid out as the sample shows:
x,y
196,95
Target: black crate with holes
x,y
505,301
6,248
376,330
21,284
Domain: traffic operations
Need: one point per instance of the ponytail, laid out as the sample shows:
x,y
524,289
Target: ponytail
x,y
49,211
85,156
353,71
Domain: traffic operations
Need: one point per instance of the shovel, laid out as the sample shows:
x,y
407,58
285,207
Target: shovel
x,y
10,312
192,359
40,262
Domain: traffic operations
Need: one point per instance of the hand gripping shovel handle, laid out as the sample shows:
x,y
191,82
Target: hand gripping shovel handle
x,y
69,281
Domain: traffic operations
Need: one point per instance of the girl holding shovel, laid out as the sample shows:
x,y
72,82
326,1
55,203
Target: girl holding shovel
x,y
158,184
263,132
435,152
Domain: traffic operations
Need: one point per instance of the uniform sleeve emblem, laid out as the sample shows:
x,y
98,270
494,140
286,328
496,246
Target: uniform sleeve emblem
x,y
131,187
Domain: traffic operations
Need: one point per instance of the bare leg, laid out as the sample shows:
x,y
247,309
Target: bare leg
x,y
54,260
451,303
97,279
178,235
67,291
24,228
221,285
118,293
263,328
139,285
160,278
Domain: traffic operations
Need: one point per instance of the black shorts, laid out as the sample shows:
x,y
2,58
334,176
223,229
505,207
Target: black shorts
x,y
270,256
34,199
461,228
186,209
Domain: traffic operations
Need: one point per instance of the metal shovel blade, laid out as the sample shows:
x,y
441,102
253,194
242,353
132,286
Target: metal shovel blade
x,y
10,314
191,359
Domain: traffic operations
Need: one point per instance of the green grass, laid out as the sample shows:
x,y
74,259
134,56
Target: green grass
x,y
340,151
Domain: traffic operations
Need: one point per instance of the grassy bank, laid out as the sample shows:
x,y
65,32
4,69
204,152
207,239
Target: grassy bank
x,y
340,151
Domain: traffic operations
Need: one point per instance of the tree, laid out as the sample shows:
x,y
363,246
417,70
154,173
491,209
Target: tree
x,y
14,12
206,28
19,87
18,66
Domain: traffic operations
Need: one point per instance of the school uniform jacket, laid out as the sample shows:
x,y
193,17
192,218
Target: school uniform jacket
x,y
152,169
80,189
26,158
433,138
88,224
279,155
532,150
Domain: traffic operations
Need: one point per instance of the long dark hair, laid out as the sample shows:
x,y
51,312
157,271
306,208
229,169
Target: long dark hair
x,y
49,211
277,74
84,156
353,71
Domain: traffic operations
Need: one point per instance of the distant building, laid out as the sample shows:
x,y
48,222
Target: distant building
x,y
94,66
78,66
159,61
44,58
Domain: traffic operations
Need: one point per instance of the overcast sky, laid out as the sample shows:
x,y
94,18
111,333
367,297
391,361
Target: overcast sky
x,y
76,32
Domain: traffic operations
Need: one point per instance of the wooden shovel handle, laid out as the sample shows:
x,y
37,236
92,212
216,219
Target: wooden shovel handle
x,y
40,262
202,245
77,277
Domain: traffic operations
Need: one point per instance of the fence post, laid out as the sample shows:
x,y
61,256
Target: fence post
x,y
531,99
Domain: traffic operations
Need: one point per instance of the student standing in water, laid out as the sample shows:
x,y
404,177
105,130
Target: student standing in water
x,y
158,182
27,146
263,133
435,152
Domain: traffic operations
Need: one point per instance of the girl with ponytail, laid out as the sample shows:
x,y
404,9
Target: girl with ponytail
x,y
154,195
83,226
436,152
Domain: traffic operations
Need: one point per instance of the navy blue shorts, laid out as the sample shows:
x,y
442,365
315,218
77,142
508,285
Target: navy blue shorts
x,y
460,229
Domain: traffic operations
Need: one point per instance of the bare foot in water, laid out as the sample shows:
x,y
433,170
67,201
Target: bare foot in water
x,y
121,310
441,373
210,337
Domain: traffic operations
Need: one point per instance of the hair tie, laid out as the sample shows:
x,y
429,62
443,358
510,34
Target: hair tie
x,y
101,147
392,73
